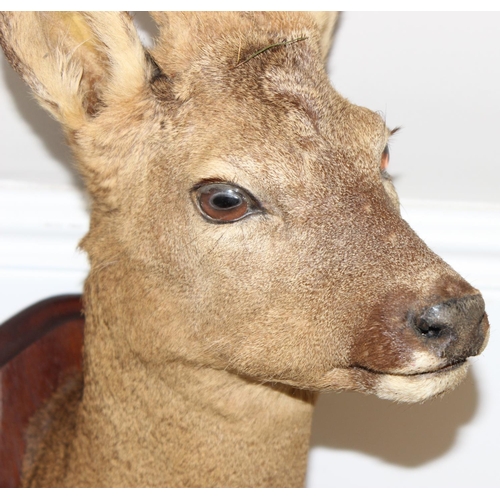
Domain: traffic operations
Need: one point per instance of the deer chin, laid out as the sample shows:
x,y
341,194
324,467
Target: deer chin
x,y
416,387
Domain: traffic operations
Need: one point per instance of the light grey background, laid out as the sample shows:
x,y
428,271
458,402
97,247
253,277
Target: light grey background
x,y
438,76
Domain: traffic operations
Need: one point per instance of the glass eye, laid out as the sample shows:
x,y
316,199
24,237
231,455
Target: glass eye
x,y
223,203
384,160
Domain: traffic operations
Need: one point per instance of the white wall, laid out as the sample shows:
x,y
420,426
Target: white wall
x,y
438,75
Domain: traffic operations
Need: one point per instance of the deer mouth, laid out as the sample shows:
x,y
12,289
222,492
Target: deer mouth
x,y
449,367
404,385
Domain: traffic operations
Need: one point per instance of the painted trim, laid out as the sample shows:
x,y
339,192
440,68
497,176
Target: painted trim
x,y
41,225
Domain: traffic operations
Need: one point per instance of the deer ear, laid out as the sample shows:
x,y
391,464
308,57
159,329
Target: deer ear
x,y
75,62
326,22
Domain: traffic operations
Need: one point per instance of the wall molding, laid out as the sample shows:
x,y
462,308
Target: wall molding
x,y
41,225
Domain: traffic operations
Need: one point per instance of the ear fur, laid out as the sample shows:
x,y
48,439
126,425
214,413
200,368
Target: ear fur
x,y
75,61
326,22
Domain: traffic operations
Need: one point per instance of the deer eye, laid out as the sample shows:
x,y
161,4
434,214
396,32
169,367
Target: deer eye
x,y
384,160
223,203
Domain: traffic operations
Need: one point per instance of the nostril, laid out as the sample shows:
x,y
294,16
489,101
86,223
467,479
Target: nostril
x,y
422,325
428,326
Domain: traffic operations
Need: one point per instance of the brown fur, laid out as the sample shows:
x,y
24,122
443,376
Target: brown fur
x,y
205,344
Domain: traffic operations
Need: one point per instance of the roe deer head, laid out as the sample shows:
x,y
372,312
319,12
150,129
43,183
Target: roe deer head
x,y
246,250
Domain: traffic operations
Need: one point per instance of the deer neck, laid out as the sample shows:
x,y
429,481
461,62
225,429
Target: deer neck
x,y
184,425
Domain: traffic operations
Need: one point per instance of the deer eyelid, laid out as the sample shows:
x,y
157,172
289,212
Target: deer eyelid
x,y
222,203
384,159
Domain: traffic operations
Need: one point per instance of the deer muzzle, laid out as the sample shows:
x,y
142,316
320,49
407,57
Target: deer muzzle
x,y
414,355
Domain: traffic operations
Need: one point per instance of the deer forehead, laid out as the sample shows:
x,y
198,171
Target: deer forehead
x,y
272,141
283,95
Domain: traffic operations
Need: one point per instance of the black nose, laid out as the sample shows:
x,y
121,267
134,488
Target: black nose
x,y
456,329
